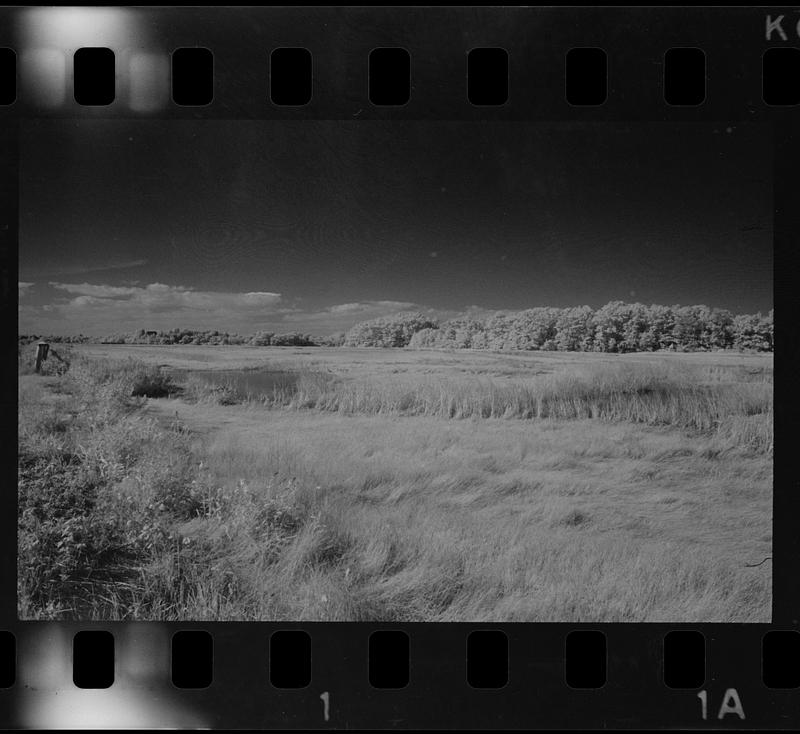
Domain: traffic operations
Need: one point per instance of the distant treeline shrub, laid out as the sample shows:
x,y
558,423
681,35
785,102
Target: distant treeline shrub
x,y
616,327
189,336
25,339
390,331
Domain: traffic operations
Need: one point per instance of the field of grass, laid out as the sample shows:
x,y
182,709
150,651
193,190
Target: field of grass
x,y
359,362
397,485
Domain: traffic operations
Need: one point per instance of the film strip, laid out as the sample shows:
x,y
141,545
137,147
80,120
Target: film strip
x,y
287,173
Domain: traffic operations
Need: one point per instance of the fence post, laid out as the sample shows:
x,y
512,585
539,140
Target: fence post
x,y
41,354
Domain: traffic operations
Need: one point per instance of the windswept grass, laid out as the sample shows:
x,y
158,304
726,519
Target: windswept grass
x,y
412,522
345,499
702,399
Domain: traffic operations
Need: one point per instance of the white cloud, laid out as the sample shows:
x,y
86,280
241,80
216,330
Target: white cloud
x,y
24,288
102,291
159,297
362,306
102,309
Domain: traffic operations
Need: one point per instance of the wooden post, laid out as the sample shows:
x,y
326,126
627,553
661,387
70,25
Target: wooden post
x,y
41,354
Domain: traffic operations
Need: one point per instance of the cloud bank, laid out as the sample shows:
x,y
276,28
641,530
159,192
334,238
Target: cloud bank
x,y
102,309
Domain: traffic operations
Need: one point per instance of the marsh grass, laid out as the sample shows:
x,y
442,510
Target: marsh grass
x,y
732,403
362,500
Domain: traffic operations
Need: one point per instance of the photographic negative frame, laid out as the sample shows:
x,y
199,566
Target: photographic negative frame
x,y
224,100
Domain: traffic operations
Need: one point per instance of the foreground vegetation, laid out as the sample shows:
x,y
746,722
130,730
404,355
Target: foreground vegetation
x,y
624,492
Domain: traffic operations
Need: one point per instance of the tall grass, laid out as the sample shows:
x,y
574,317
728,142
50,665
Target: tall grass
x,y
704,399
125,517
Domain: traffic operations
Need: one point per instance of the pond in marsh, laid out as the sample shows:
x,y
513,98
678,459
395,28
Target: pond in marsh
x,y
242,384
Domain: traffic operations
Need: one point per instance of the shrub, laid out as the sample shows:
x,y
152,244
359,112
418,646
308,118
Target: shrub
x,y
99,490
151,382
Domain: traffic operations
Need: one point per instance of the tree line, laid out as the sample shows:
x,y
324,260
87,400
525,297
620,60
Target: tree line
x,y
615,327
191,336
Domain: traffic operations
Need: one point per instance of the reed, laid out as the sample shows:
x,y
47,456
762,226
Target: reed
x,y
693,399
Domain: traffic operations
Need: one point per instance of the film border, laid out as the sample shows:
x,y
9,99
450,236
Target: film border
x,y
734,40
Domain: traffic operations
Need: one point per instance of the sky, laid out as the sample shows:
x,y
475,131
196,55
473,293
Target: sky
x,y
313,226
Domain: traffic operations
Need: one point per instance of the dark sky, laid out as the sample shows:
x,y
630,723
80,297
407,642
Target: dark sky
x,y
316,225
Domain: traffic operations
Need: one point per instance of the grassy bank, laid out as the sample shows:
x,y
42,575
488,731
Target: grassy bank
x,y
390,510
